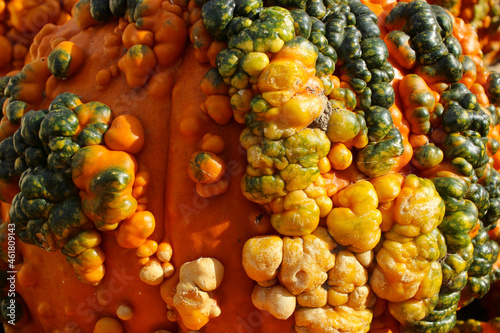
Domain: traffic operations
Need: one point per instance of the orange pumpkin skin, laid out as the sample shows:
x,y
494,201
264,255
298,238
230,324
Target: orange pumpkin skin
x,y
20,21
168,107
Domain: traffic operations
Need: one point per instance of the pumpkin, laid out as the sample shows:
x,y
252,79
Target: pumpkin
x,y
20,21
472,325
483,16
298,166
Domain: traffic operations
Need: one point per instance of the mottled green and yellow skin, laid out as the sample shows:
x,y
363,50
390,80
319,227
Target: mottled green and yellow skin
x,y
479,274
410,282
48,211
352,230
493,87
4,80
431,50
427,156
361,116
285,170
460,218
64,60
476,326
106,189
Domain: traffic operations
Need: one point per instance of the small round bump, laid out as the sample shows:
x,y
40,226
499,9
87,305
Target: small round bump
x,y
108,325
125,312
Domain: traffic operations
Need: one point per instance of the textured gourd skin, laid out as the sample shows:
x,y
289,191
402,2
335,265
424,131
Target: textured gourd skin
x,y
460,218
20,21
485,255
170,110
185,213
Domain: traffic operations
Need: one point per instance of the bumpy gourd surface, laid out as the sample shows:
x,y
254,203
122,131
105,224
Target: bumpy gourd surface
x,y
300,166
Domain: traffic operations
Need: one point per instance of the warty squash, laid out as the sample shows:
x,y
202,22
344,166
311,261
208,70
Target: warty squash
x,y
220,166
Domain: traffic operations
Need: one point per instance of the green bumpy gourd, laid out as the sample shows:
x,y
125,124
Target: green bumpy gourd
x,y
462,111
246,7
268,33
65,100
335,29
249,29
459,93
350,49
494,112
216,16
475,326
47,212
228,61
61,131
15,110
118,7
8,158
100,11
316,9
16,155
84,240
432,48
61,122
66,219
302,23
382,94
468,125
461,217
491,182
469,146
27,142
346,96
480,197
289,3
59,62
479,274
357,69
104,10
327,56
455,118
4,80
454,47
286,167
263,189
366,20
365,99
418,16
93,132
446,69
236,25
427,156
493,87
429,46
379,123
374,51
469,66
354,33
457,226
14,85
41,189
378,158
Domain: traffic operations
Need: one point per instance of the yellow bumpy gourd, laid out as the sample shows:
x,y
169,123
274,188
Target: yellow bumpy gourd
x,y
354,221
